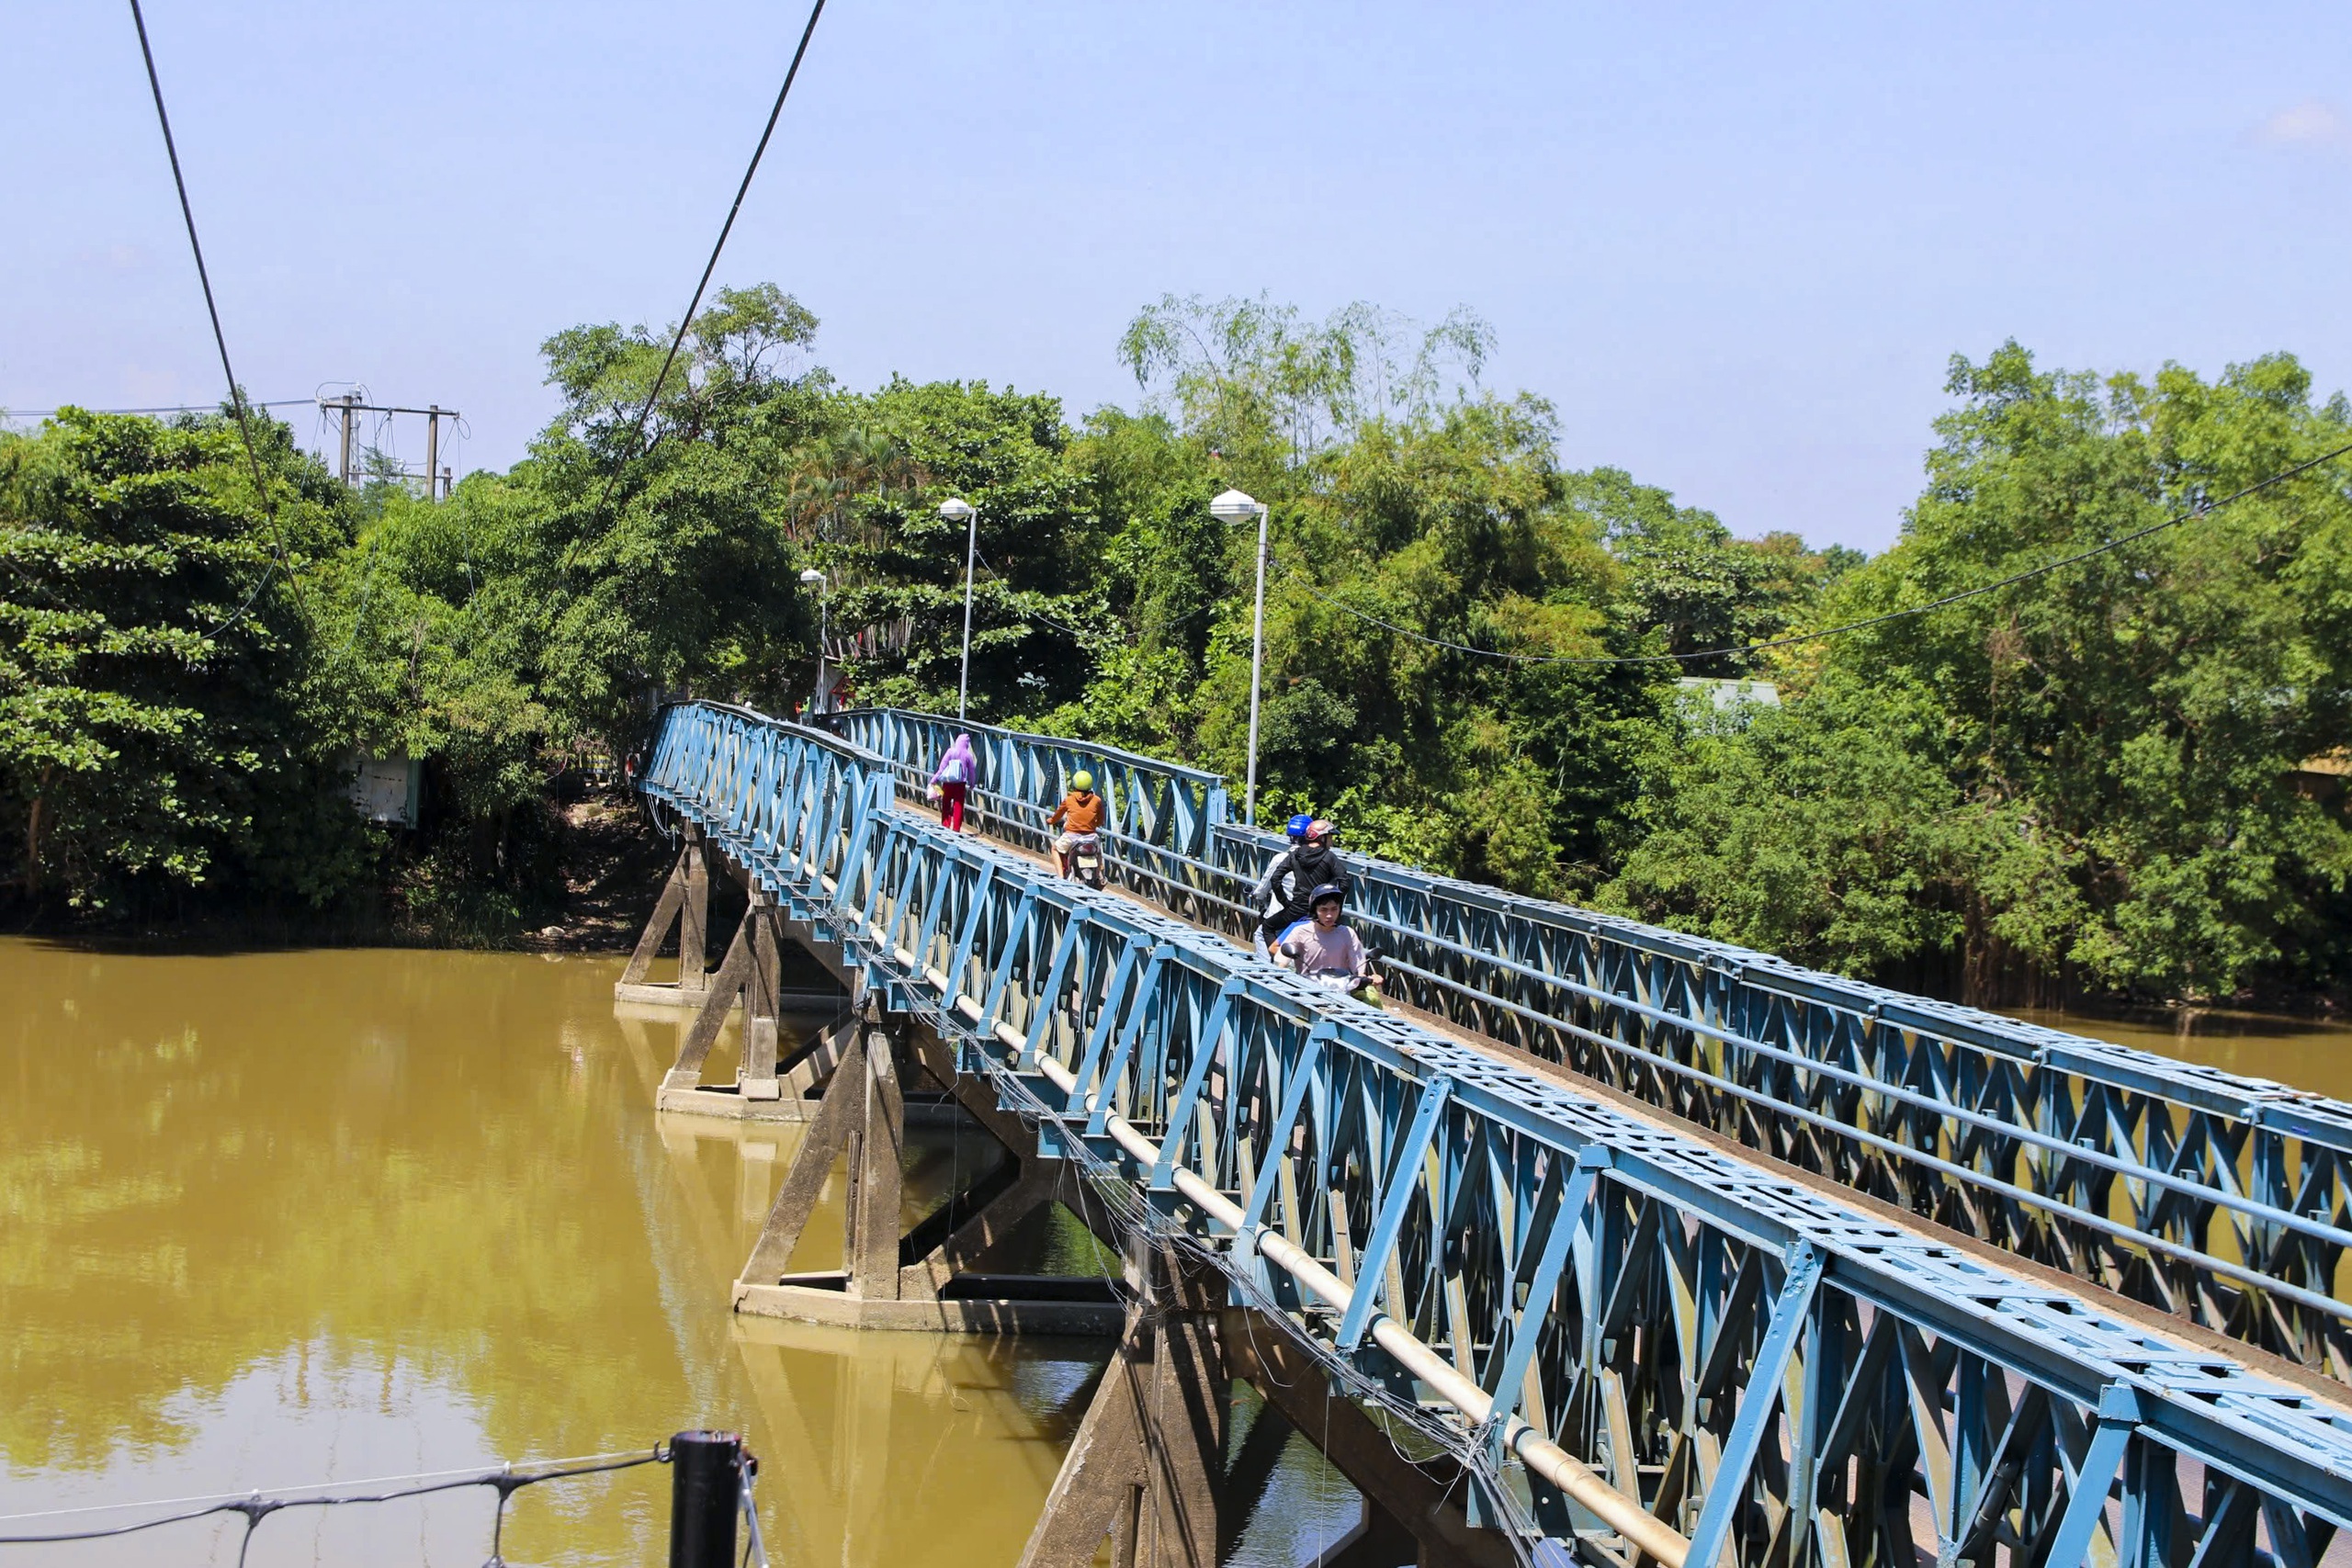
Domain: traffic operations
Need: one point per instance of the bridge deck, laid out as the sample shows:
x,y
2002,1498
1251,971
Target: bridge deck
x,y
2223,1200
1632,1323
993,826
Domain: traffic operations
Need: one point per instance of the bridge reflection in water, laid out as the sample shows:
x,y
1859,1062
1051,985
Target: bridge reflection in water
x,y
279,1217
1621,1246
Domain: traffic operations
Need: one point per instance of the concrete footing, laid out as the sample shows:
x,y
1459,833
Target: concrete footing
x,y
671,995
682,1095
977,1304
935,1278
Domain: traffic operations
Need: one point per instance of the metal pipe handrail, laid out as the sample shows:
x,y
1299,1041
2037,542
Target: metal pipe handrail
x,y
2117,1228
2253,1209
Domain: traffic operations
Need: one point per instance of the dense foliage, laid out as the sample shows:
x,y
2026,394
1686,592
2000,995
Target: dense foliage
x,y
2093,779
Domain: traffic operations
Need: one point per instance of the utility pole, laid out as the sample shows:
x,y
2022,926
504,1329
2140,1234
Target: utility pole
x,y
348,404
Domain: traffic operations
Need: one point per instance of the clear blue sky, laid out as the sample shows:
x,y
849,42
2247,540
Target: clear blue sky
x,y
1734,244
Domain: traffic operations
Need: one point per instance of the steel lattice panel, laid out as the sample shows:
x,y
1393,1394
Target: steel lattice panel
x,y
1753,1359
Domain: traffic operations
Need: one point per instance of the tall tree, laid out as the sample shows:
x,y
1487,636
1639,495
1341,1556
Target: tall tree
x,y
157,718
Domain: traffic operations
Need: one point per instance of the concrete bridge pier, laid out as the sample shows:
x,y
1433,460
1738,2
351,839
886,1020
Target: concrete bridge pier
x,y
933,1276
777,1073
684,907
1148,1468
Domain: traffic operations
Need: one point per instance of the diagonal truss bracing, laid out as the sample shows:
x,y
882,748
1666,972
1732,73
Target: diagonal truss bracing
x,y
2224,1198
1658,1335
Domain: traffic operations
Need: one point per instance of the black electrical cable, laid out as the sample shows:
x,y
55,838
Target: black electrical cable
x,y
161,408
686,321
1937,604
219,339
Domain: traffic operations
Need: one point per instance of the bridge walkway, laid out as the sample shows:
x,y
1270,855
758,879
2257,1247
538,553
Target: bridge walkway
x,y
989,822
1633,1341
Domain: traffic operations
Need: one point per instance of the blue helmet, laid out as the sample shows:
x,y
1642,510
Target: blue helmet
x,y
1296,827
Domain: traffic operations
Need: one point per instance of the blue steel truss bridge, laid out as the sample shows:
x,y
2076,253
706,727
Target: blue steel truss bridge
x,y
1597,1243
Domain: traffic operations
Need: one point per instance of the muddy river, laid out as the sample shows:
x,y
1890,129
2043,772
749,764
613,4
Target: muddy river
x,y
277,1218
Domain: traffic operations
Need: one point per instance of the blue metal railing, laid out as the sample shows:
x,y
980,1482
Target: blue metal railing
x,y
1744,1357
2224,1198
1162,805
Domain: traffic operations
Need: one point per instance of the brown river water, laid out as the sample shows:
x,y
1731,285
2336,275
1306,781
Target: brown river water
x,y
277,1218
271,1218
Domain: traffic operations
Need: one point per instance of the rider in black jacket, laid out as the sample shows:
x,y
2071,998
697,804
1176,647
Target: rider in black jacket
x,y
1285,892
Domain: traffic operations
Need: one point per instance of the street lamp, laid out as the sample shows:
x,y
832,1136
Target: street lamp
x,y
811,574
1233,506
955,509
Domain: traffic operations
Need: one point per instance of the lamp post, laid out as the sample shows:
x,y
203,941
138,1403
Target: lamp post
x,y
955,509
811,574
1233,506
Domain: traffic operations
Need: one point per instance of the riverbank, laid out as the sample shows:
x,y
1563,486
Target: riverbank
x,y
589,893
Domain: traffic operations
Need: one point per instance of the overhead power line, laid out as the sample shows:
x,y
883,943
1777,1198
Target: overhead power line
x,y
219,339
2205,509
160,408
686,321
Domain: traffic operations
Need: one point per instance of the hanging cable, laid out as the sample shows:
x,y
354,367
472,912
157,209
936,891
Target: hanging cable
x,y
160,408
2205,509
1062,626
219,339
686,321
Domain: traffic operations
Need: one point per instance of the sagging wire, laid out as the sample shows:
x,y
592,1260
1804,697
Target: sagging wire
x,y
755,1545
160,408
686,321
1006,585
212,309
257,1507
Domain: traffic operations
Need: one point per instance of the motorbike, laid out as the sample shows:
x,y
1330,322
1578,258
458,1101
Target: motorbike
x,y
1364,988
1086,859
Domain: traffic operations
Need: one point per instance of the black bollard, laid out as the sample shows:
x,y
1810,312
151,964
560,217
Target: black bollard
x,y
705,1483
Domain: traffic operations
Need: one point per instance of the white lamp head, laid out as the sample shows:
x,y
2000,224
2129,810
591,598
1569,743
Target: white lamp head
x,y
811,574
1233,506
955,509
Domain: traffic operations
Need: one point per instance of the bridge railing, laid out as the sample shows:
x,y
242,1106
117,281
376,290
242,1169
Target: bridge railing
x,y
792,802
1152,804
2225,1198
1657,1333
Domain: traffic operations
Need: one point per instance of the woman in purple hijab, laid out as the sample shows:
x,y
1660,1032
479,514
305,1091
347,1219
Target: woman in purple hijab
x,y
959,770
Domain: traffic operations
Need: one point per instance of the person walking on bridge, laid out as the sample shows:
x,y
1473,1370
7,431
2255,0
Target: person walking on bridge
x,y
959,770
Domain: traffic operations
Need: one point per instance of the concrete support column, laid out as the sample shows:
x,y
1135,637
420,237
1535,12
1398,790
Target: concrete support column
x,y
1146,1466
870,1233
756,1076
694,919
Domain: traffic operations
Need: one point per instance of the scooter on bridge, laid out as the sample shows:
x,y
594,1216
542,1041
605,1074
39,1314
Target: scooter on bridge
x,y
1080,816
1085,859
1322,950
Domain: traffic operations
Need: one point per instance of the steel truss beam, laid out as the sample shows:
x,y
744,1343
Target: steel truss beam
x,y
1667,1344
2224,1198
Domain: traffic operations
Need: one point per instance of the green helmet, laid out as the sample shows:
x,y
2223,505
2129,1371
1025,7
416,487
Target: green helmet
x,y
1081,780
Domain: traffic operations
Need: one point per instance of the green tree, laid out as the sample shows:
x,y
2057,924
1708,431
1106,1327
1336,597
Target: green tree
x,y
669,568
1038,619
2094,765
159,719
